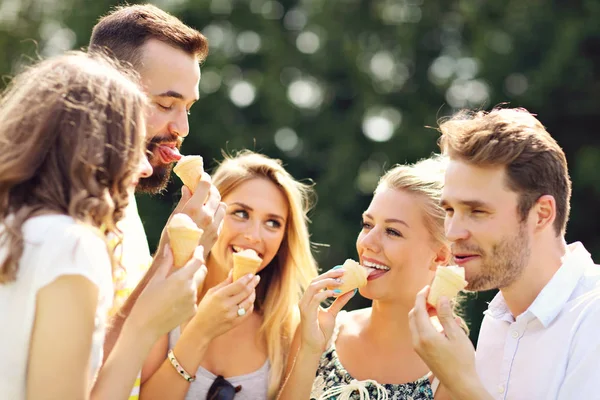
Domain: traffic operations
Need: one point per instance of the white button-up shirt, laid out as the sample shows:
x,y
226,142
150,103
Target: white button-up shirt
x,y
552,350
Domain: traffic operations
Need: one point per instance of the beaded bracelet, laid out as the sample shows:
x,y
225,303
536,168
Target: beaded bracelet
x,y
179,368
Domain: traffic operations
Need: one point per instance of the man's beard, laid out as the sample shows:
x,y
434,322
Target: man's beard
x,y
161,172
505,263
157,182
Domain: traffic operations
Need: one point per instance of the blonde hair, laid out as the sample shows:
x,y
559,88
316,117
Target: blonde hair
x,y
424,179
282,282
70,139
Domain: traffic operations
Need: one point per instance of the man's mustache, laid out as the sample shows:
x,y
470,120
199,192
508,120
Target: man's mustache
x,y
158,140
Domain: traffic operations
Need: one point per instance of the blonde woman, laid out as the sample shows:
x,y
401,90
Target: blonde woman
x,y
368,353
72,137
238,341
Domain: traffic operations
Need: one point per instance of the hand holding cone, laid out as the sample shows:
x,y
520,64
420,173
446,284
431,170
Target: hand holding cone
x,y
189,169
245,262
355,276
184,236
448,281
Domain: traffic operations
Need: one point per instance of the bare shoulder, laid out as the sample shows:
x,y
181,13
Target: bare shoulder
x,y
353,322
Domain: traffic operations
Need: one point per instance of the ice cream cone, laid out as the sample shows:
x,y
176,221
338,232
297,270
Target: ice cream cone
x,y
448,281
184,236
355,276
245,262
189,169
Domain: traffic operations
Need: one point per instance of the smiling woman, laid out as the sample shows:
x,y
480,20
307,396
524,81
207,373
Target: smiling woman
x,y
402,242
243,329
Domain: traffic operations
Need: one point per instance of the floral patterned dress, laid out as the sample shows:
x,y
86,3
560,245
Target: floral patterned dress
x,y
333,382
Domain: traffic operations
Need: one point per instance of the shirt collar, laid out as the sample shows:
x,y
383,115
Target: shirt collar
x,y
557,292
498,309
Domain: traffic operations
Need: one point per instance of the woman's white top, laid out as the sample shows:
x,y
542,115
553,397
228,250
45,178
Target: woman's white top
x,y
54,246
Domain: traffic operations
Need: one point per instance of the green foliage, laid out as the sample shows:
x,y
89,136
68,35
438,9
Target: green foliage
x,y
326,72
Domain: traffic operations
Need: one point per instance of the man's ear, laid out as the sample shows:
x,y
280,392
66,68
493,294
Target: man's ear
x,y
543,212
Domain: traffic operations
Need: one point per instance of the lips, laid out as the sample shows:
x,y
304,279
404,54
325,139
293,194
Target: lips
x,y
168,152
461,259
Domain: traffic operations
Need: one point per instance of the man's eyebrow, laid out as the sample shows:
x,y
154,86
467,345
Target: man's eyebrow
x,y
171,93
466,203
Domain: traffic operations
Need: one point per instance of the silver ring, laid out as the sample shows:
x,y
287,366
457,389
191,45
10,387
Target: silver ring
x,y
241,311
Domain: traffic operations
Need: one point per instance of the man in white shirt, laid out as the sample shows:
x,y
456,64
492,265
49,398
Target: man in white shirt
x,y
506,198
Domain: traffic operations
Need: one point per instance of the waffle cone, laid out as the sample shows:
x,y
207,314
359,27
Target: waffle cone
x,y
445,283
245,262
355,276
184,237
189,169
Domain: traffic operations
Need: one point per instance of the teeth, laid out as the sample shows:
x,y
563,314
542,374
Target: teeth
x,y
375,265
237,249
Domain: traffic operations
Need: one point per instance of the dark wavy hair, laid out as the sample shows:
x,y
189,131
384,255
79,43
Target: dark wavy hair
x,y
71,142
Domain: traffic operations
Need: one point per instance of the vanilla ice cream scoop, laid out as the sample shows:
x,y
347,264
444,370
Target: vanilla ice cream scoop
x,y
184,236
245,262
355,276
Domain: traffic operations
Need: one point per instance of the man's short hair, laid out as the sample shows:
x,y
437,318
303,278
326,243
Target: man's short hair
x,y
535,164
124,30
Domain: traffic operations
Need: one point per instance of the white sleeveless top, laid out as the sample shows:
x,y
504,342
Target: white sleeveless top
x,y
54,246
254,385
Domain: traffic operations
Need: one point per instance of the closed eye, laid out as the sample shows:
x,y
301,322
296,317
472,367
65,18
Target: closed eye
x,y
365,225
393,232
166,108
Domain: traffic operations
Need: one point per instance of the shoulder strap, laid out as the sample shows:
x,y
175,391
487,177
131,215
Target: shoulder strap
x,y
339,321
435,383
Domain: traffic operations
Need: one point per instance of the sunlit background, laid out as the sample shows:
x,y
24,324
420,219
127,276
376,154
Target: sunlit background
x,y
341,90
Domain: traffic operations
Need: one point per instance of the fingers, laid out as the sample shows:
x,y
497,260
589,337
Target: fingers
x,y
248,303
203,204
340,302
332,273
223,284
212,231
447,319
186,195
219,215
242,288
320,297
202,190
165,264
214,199
330,278
424,334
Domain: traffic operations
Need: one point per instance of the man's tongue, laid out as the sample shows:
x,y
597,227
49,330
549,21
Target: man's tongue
x,y
168,154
